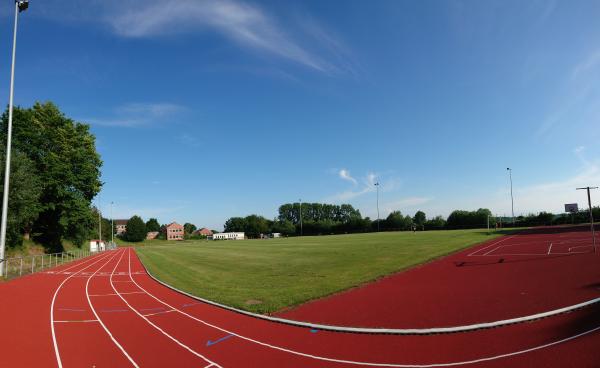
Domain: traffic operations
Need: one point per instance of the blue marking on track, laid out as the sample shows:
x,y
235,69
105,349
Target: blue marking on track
x,y
210,343
189,304
314,330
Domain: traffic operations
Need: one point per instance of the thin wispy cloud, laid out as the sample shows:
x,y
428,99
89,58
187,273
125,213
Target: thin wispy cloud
x,y
247,25
362,186
138,114
589,63
345,175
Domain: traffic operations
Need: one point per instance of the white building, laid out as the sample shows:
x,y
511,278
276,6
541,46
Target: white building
x,y
97,246
227,236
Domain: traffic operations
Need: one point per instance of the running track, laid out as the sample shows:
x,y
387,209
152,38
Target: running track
x,y
105,311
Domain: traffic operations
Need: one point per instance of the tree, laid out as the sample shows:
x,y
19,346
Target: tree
x,y
152,225
284,227
419,219
136,229
189,228
395,221
64,157
255,225
235,224
25,189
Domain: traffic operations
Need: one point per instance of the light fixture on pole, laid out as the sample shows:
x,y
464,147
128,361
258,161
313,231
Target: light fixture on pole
x,y
591,215
19,7
300,216
512,200
377,186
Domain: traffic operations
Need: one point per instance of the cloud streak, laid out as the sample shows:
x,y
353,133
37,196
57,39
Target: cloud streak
x,y
138,114
345,175
247,25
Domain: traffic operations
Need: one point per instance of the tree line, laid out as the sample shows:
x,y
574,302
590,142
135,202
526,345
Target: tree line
x,y
321,219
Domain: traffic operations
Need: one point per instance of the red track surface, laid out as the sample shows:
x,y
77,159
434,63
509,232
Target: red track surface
x,y
528,273
107,312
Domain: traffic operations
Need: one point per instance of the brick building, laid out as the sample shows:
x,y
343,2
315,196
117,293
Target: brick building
x,y
174,231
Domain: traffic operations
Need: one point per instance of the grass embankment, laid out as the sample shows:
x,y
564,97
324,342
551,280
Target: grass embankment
x,y
268,275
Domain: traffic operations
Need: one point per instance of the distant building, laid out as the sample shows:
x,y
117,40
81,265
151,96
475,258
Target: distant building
x,y
174,231
151,235
97,246
120,226
275,235
204,231
228,236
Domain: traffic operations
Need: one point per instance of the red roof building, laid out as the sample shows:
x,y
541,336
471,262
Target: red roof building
x,y
204,231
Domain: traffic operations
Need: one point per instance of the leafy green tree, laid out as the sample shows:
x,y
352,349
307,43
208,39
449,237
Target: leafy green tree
x,y
64,156
255,225
284,227
25,190
152,225
395,221
235,224
136,229
189,228
419,219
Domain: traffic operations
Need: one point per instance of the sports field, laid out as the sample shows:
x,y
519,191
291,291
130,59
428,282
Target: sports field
x,y
265,276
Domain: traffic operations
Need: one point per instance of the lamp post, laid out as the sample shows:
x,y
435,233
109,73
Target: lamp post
x,y
20,5
512,201
377,186
112,226
591,214
300,217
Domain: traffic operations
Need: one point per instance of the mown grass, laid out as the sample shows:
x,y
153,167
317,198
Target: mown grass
x,y
265,276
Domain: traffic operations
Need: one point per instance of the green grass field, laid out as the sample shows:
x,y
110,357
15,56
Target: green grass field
x,y
265,276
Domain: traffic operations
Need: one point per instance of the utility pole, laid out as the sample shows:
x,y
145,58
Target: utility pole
x,y
20,5
377,185
300,216
512,200
591,215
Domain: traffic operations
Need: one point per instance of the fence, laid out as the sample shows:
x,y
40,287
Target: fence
x,y
19,266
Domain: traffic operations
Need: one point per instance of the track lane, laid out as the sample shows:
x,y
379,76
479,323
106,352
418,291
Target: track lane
x,y
377,350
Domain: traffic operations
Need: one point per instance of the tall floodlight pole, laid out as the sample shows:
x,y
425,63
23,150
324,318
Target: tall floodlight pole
x,y
99,223
512,200
377,186
591,214
112,226
19,7
300,217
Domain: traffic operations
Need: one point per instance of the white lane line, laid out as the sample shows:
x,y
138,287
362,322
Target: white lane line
x,y
82,261
113,294
87,294
79,321
54,342
163,312
150,322
372,364
498,242
550,249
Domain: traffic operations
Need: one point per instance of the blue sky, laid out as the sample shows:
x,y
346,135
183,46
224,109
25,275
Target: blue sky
x,y
209,109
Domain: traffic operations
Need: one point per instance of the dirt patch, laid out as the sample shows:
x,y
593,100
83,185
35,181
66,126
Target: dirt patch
x,y
253,302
